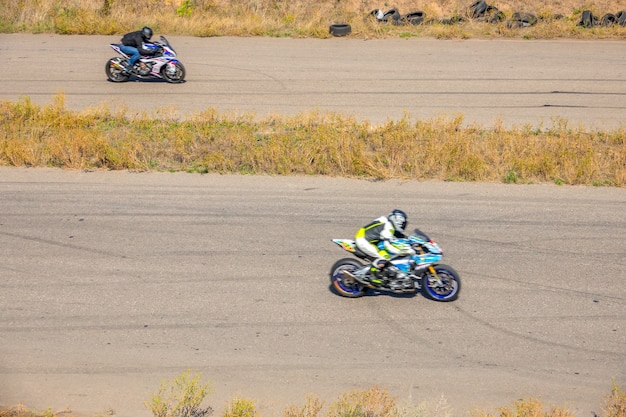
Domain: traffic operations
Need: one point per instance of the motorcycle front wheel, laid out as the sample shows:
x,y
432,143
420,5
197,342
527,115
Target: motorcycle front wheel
x,y
343,284
173,73
114,72
444,286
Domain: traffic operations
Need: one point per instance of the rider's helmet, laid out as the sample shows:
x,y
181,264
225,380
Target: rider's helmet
x,y
146,33
398,219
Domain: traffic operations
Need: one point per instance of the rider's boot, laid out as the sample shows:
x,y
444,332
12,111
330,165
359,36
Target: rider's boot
x,y
376,271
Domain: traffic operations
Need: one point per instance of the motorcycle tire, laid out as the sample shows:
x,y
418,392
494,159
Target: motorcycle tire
x,y
345,286
444,287
114,73
175,77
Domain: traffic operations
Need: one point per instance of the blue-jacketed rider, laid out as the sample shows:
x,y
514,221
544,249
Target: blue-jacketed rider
x,y
133,45
384,229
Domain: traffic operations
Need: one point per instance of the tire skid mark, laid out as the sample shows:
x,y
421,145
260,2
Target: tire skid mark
x,y
620,258
63,245
545,287
536,340
176,325
406,333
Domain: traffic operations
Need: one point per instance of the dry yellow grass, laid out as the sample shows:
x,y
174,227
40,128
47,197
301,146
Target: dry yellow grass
x,y
297,18
377,401
309,144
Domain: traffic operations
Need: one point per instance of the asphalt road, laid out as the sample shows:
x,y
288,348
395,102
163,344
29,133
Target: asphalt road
x,y
112,282
508,82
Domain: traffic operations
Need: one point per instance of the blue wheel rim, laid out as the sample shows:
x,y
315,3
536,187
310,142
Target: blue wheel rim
x,y
451,286
338,280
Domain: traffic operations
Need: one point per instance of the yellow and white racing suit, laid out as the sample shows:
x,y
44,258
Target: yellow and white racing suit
x,y
379,230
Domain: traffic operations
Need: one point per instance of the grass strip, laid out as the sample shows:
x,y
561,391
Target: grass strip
x,y
372,402
309,144
306,19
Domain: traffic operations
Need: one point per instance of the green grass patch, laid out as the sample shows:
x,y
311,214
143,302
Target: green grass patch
x,y
313,143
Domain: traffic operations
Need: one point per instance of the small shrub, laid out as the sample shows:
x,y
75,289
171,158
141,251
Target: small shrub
x,y
240,407
525,408
21,411
364,403
185,9
312,408
511,177
181,399
615,403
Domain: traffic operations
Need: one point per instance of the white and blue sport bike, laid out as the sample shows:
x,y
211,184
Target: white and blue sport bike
x,y
404,274
161,64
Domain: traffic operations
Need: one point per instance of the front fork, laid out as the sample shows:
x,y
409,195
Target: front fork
x,y
431,268
435,276
419,282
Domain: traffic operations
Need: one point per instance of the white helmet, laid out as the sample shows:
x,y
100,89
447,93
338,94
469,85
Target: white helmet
x,y
398,219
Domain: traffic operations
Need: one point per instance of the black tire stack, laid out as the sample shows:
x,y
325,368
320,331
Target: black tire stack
x,y
394,17
589,20
481,11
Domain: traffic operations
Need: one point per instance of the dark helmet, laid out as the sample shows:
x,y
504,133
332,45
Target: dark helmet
x,y
146,33
398,219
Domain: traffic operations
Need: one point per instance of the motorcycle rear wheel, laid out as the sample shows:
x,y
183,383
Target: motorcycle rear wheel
x,y
444,287
343,284
114,73
176,76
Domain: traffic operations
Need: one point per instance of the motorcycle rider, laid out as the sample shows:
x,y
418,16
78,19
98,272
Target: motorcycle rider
x,y
133,45
383,229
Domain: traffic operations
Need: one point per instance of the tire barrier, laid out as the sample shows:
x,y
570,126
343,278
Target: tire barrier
x,y
589,20
522,20
481,11
477,9
340,29
413,18
392,16
493,15
608,19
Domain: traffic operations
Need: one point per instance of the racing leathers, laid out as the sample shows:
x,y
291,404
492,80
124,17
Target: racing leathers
x,y
380,230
